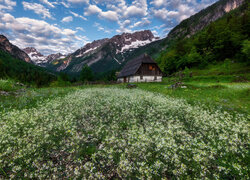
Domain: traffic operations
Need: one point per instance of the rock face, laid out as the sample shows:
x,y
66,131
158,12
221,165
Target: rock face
x,y
35,56
39,59
6,46
89,47
53,57
105,53
202,19
128,41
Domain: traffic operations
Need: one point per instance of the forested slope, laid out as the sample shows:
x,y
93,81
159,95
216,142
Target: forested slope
x,y
225,39
23,71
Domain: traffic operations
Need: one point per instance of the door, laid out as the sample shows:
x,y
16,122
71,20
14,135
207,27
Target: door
x,y
124,79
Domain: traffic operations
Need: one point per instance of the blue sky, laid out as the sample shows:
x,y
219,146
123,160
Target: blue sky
x,y
53,26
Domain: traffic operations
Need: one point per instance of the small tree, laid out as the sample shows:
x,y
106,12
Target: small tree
x,y
86,74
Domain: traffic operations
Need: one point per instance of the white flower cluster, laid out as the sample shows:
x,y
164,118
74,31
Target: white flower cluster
x,y
103,133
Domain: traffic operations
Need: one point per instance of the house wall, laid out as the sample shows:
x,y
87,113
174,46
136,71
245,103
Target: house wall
x,y
132,79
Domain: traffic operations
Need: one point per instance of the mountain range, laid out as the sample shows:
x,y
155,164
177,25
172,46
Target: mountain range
x,y
111,54
39,59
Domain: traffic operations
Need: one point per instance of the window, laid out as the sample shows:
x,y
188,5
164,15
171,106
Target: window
x,y
151,68
141,77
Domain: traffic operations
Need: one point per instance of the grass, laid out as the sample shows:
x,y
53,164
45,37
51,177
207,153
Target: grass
x,y
227,67
219,92
8,85
229,96
110,133
99,131
29,97
215,92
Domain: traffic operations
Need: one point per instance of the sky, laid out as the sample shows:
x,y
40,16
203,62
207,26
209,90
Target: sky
x,y
53,26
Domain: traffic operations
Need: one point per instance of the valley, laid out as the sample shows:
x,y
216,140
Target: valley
x,y
65,115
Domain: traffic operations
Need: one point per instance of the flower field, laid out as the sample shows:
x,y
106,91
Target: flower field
x,y
104,133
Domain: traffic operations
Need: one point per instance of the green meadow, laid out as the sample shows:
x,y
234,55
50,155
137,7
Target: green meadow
x,y
197,130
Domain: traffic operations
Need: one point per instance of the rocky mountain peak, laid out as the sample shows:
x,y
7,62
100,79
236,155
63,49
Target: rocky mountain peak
x,y
232,4
90,47
52,57
3,38
6,46
121,42
39,59
128,41
32,52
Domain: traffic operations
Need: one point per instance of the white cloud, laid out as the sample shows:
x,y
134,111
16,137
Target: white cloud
x,y
134,11
38,9
155,33
185,11
47,3
92,9
159,3
80,29
143,23
65,4
109,15
77,15
67,19
100,28
68,32
123,26
78,1
139,8
165,14
7,18
177,10
159,27
47,38
117,9
7,4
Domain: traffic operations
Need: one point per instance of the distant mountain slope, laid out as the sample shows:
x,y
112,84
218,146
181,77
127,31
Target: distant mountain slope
x,y
203,18
11,67
105,54
6,46
16,64
39,59
225,40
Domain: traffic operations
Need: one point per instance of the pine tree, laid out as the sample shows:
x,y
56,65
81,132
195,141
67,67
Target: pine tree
x,y
86,74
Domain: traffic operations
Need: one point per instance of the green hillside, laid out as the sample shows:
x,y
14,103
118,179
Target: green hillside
x,y
22,71
225,40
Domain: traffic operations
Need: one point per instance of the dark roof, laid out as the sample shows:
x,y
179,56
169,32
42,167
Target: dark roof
x,y
132,66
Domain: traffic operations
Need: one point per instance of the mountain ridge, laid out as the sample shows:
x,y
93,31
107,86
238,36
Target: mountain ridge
x,y
39,59
113,50
13,50
204,17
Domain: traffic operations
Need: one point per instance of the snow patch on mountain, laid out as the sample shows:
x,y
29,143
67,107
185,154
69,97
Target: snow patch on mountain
x,y
39,59
87,51
135,44
117,60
